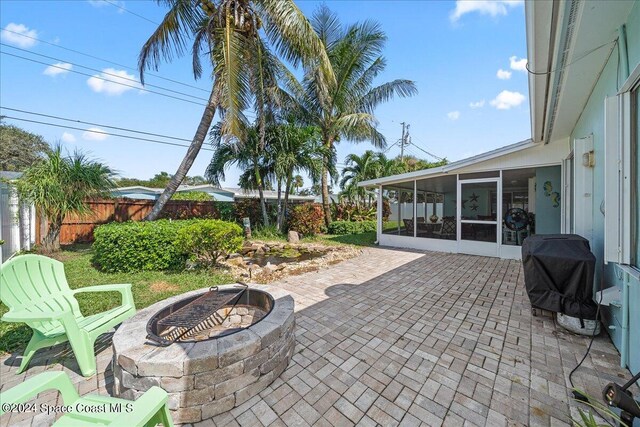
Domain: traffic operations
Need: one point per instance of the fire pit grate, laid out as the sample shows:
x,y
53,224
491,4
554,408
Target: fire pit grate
x,y
188,317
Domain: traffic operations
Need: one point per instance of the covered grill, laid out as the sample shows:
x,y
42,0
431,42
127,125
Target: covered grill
x,y
558,274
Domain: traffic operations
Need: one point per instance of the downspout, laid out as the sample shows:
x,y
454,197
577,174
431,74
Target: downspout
x,y
626,280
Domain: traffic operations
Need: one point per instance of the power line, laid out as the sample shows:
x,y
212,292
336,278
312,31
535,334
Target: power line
x,y
104,133
128,11
94,124
101,78
104,60
102,72
425,151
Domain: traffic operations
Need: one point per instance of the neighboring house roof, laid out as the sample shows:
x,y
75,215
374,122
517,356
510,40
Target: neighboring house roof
x,y
453,166
268,195
220,194
568,46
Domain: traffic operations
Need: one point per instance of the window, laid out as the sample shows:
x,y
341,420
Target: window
x,y
622,174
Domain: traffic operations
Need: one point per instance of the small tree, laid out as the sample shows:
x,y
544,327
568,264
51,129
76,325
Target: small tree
x,y
61,185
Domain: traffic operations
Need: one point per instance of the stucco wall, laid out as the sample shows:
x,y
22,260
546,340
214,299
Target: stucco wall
x,y
592,122
548,207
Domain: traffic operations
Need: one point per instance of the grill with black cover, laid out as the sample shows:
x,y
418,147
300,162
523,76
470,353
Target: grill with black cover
x,y
558,274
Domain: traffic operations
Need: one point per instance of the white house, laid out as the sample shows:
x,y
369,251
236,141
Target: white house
x,y
579,173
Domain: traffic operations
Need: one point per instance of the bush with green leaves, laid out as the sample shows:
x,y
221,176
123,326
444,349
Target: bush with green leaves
x,y
162,244
141,245
204,241
307,219
194,196
351,227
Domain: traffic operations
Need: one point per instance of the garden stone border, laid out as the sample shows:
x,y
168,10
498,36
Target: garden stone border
x,y
205,378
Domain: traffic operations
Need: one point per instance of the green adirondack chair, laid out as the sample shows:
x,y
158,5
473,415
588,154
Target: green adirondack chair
x,y
149,410
35,289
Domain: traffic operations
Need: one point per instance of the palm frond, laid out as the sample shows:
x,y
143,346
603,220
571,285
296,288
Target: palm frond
x,y
170,39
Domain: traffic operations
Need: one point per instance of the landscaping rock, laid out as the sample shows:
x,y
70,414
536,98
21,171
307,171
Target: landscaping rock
x,y
293,237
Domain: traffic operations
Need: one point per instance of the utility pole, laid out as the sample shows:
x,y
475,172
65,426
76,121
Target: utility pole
x,y
403,140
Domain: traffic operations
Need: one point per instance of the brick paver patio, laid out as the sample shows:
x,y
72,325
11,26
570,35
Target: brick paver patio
x,y
397,337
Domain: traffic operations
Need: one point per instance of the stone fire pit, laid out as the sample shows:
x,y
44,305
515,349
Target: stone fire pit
x,y
205,378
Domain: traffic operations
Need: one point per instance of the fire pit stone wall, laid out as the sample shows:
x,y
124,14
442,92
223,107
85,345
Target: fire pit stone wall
x,y
209,377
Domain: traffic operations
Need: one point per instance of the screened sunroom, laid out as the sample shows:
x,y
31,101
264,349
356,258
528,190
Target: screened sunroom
x,y
485,205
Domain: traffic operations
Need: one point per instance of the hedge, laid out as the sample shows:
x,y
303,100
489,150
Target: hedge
x,y
351,227
154,245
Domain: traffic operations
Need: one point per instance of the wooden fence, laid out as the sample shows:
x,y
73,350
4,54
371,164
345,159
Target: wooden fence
x,y
79,229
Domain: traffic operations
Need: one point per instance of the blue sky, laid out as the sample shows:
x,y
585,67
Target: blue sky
x,y
466,58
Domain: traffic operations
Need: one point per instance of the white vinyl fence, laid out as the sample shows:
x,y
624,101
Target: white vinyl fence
x,y
17,221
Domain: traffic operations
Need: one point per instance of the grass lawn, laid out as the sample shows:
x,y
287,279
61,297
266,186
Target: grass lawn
x,y
148,288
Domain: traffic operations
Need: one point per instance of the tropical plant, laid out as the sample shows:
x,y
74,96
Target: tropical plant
x,y
248,156
342,104
229,32
358,169
296,183
295,149
61,185
20,149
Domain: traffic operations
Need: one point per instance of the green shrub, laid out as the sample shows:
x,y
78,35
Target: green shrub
x,y
204,241
351,227
226,210
194,196
135,246
267,233
307,219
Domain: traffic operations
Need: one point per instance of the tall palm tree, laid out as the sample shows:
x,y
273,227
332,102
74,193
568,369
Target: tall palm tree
x,y
296,149
248,156
342,103
60,185
296,184
358,169
230,33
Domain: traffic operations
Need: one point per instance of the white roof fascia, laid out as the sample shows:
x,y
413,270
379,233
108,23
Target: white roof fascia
x,y
441,170
139,187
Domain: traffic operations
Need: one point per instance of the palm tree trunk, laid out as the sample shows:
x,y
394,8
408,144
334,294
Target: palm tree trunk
x,y
263,205
189,158
286,200
279,216
51,242
325,185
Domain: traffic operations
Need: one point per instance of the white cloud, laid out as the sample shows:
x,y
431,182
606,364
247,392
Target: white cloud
x,y
507,100
453,115
518,64
503,74
483,7
113,82
94,134
58,68
19,35
477,104
68,137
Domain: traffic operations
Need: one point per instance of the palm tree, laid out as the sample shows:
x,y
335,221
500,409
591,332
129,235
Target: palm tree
x,y
358,169
342,104
295,149
61,185
248,156
296,184
229,32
